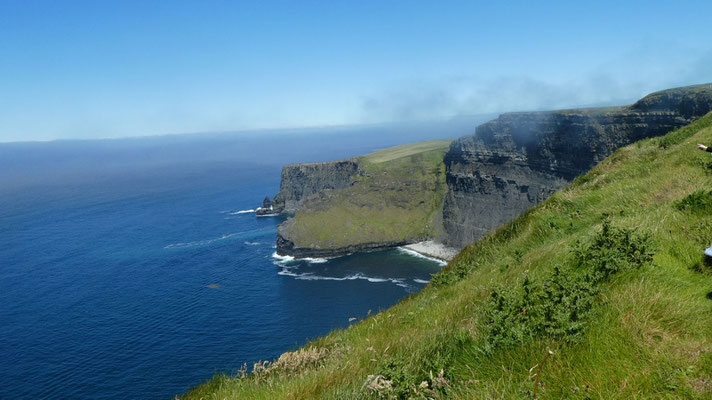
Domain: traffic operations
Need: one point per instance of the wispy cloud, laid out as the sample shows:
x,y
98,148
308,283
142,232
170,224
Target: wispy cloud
x,y
642,70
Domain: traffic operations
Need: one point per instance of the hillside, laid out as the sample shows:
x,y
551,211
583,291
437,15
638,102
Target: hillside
x,y
609,322
394,196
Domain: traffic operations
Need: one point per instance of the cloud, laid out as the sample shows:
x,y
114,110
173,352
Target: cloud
x,y
640,71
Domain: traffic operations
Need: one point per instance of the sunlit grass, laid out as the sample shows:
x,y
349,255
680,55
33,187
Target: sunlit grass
x,y
649,335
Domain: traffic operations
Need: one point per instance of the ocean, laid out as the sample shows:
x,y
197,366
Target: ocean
x,y
134,268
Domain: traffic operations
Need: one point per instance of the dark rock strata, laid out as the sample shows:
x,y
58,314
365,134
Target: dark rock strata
x,y
286,247
299,181
519,159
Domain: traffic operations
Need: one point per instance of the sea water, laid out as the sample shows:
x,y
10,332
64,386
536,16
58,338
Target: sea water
x,y
136,268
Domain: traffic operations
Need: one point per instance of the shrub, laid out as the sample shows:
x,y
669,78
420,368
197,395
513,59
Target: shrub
x,y
613,250
699,201
451,275
560,306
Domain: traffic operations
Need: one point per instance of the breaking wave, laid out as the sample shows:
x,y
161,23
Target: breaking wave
x,y
416,254
286,259
310,276
242,212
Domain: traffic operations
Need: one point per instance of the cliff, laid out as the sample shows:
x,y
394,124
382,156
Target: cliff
x,y
519,159
397,196
384,199
299,181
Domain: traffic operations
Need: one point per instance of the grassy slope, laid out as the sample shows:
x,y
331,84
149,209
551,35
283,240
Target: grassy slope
x,y
398,198
650,335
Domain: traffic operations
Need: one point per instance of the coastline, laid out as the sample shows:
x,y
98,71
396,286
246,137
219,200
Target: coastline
x,y
427,249
432,249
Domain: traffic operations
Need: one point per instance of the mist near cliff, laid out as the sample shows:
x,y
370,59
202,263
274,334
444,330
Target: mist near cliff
x,y
71,166
620,80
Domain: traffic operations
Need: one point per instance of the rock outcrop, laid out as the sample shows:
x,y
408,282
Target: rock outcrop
x,y
299,181
519,159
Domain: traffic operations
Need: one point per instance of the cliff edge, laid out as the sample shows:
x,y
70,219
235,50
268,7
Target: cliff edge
x,y
519,159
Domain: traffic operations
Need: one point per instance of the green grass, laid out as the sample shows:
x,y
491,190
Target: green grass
x,y
643,331
398,198
401,151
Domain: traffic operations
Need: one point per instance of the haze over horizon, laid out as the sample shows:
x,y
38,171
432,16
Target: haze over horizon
x,y
85,70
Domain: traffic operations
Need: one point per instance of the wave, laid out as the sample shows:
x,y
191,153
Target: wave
x,y
420,281
242,212
309,276
416,254
200,242
245,234
280,260
314,260
252,243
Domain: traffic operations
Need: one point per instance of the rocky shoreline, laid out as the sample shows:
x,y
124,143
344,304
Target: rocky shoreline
x,y
432,249
428,249
286,247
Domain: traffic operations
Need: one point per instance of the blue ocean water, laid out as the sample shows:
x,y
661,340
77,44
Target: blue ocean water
x,y
128,271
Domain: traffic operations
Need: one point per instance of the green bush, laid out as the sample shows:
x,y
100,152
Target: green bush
x,y
560,306
699,201
613,250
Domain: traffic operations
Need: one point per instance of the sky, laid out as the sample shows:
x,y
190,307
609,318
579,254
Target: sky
x,y
100,69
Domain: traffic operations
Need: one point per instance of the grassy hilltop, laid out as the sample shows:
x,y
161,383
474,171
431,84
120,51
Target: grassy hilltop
x,y
398,197
598,292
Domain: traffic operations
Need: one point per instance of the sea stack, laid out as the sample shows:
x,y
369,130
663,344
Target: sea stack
x,y
266,209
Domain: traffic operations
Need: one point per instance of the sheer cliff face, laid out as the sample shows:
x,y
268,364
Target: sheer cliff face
x,y
299,181
519,159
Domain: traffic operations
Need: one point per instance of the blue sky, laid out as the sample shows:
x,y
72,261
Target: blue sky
x,y
95,69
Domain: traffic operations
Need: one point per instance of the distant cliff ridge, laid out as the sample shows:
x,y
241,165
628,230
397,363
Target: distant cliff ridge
x,y
519,159
458,194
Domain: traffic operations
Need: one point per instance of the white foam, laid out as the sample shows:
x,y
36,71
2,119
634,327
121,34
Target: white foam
x,y
242,212
416,254
420,281
252,243
309,276
314,260
200,242
282,259
286,259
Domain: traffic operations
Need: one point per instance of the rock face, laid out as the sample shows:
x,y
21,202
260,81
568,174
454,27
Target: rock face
x,y
299,181
519,159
